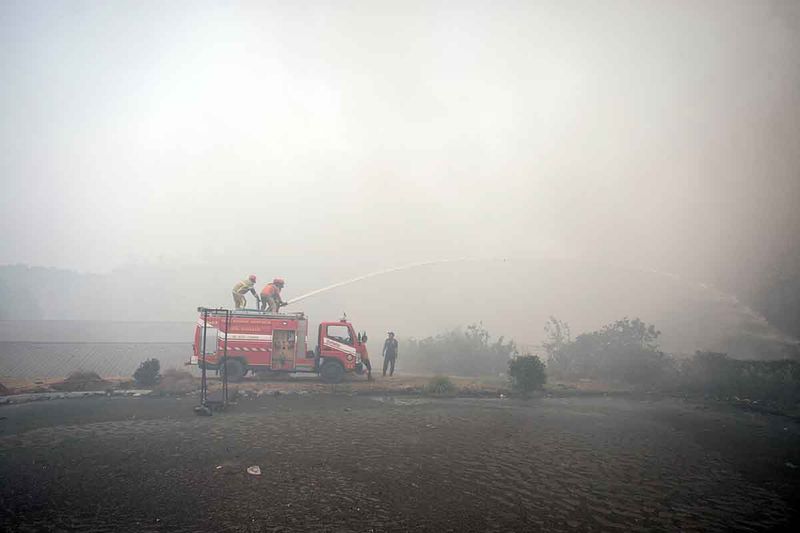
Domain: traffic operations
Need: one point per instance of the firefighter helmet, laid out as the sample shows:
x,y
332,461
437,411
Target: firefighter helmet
x,y
252,278
279,281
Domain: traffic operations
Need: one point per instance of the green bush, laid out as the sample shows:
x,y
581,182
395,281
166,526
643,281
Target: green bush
x,y
527,373
625,350
463,352
147,375
440,386
717,374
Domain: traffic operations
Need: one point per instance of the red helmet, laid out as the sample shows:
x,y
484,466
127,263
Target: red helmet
x,y
278,281
252,278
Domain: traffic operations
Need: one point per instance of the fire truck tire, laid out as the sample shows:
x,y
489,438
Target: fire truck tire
x,y
331,371
235,370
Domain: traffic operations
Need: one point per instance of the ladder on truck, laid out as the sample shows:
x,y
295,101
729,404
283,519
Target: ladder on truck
x,y
217,400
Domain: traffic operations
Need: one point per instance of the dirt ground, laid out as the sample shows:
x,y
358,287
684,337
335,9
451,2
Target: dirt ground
x,y
333,462
289,383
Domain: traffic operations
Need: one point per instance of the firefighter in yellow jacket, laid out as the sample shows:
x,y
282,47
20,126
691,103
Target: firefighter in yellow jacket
x,y
242,288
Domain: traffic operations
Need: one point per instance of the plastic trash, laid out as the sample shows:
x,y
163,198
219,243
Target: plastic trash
x,y
254,470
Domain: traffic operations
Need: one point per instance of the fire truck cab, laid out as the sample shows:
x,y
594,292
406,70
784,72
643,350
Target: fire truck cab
x,y
242,341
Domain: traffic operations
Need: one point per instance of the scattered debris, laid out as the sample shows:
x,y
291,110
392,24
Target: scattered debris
x,y
202,410
254,470
44,396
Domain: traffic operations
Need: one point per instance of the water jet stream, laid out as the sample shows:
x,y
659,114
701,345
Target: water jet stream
x,y
715,292
373,274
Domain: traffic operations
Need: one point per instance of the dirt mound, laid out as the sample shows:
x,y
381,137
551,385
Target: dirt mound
x,y
81,381
175,381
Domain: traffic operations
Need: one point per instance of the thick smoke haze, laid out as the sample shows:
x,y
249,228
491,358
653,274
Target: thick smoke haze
x,y
318,141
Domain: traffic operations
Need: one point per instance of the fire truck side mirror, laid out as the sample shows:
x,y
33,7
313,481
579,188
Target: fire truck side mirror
x,y
364,337
359,338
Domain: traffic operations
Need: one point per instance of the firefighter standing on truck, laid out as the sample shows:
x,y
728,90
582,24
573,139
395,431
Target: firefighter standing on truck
x,y
242,288
271,296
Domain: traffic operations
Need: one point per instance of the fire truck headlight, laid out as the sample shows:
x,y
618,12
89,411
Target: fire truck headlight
x,y
349,357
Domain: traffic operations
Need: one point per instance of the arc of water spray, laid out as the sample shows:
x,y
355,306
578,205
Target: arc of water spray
x,y
373,274
719,294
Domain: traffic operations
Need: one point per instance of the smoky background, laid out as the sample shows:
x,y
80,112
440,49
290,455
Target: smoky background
x,y
592,160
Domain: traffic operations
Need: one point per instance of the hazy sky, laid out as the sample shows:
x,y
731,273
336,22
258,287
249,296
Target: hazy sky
x,y
649,133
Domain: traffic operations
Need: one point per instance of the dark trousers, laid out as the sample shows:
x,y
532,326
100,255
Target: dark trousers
x,y
388,362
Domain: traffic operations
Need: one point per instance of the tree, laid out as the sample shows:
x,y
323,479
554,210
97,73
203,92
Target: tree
x,y
557,336
527,373
625,350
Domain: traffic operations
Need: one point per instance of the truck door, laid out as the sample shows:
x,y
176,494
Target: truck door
x,y
303,362
283,349
338,342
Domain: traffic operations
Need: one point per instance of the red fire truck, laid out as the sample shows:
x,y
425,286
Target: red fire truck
x,y
254,341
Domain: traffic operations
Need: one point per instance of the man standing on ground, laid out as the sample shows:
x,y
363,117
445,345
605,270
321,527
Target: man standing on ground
x,y
389,354
242,288
367,365
271,296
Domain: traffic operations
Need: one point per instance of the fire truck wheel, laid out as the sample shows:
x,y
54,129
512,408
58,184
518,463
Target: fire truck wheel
x,y
235,370
332,371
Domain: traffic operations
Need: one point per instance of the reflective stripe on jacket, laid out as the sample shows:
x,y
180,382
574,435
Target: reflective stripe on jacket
x,y
243,287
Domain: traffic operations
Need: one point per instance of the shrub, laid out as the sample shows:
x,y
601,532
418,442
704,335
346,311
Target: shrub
x,y
716,373
465,352
147,373
440,386
625,350
527,373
